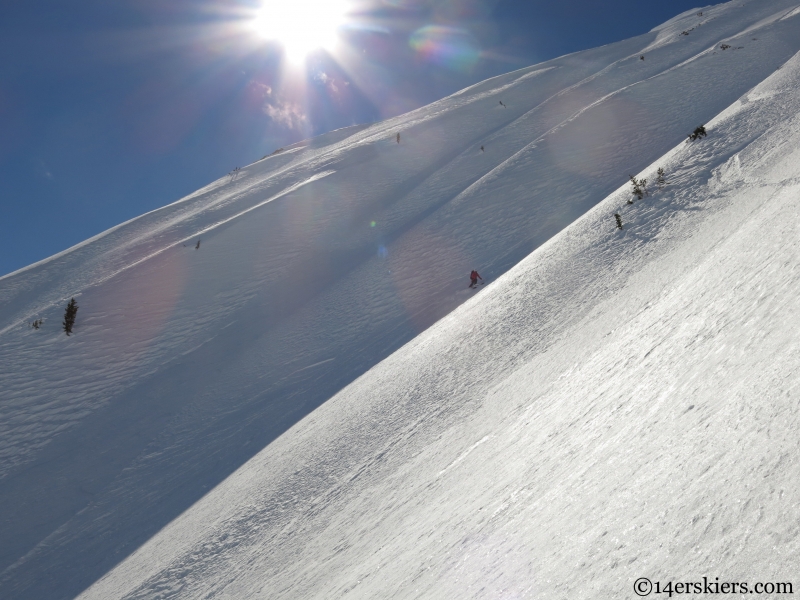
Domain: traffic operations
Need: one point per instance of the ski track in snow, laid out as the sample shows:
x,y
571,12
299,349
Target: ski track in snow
x,y
618,404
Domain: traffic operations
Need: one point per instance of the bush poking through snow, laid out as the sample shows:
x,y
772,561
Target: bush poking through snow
x,y
619,220
69,316
660,178
699,132
37,323
724,47
639,188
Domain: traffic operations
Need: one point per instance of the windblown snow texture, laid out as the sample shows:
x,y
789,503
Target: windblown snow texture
x,y
619,404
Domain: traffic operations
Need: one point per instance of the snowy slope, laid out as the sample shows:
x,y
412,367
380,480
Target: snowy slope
x,y
619,405
186,363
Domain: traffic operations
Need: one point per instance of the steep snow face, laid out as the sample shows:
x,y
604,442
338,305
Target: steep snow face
x,y
622,404
316,263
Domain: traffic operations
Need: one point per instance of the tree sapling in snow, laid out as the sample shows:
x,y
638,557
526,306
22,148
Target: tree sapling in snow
x,y
619,220
69,316
37,323
639,188
660,180
699,132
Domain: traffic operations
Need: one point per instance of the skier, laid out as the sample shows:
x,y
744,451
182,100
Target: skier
x,y
474,277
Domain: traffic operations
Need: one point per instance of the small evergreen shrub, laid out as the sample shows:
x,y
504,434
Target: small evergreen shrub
x,y
699,132
639,188
69,316
37,323
724,47
661,177
619,220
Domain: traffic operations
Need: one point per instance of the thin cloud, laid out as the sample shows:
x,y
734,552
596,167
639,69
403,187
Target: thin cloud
x,y
330,83
284,113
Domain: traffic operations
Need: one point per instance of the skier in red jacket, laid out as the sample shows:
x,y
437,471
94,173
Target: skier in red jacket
x,y
474,277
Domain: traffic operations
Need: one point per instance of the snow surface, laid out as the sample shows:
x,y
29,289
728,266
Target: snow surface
x,y
619,404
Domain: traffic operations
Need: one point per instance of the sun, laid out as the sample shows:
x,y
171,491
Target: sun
x,y
300,26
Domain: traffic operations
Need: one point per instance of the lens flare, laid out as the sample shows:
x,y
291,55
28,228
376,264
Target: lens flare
x,y
407,4
449,47
300,26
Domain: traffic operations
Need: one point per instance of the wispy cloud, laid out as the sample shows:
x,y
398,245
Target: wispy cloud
x,y
329,82
286,114
283,113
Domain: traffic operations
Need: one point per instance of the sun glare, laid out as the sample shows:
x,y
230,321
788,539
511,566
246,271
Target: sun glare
x,y
300,26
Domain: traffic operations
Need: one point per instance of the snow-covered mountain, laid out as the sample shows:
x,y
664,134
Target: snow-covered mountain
x,y
295,409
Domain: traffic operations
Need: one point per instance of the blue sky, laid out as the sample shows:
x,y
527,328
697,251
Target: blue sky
x,y
111,109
